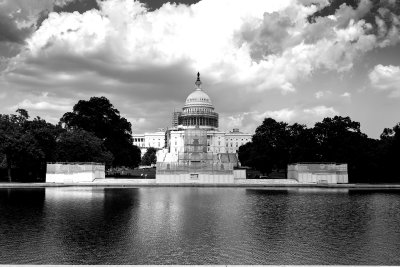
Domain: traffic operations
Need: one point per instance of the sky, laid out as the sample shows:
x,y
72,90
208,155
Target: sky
x,y
292,60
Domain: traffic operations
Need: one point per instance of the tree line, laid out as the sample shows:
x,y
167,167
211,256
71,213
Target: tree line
x,y
339,139
93,132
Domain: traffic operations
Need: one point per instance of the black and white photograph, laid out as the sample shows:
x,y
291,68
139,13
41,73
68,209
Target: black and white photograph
x,y
200,132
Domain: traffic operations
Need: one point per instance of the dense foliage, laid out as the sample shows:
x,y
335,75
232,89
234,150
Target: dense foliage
x,y
339,139
99,117
94,132
149,157
82,146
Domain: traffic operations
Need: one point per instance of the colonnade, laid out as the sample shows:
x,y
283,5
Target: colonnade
x,y
199,121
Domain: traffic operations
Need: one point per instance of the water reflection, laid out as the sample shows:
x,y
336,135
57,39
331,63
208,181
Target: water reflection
x,y
199,226
97,224
21,222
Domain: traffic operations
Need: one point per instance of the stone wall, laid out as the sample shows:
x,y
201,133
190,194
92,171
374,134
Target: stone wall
x,y
74,172
194,178
314,173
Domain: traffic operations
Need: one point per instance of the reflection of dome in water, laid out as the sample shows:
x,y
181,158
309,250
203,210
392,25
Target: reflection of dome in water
x,y
198,109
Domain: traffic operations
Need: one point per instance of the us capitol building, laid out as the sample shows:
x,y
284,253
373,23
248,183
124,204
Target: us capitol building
x,y
194,151
197,113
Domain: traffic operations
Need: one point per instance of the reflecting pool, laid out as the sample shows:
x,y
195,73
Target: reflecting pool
x,y
182,225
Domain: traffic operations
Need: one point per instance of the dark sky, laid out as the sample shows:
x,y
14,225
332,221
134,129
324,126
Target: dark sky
x,y
154,4
84,5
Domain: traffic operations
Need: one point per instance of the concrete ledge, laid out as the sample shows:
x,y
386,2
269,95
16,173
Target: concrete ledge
x,y
132,183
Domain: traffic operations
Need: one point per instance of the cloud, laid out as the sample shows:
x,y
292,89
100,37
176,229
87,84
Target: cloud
x,y
10,32
321,111
386,78
256,44
20,19
80,6
44,104
319,94
27,104
323,94
145,61
346,95
285,114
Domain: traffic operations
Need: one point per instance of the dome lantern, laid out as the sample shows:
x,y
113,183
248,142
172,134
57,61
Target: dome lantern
x,y
198,82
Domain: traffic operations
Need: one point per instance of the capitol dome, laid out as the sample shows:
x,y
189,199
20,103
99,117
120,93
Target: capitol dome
x,y
198,110
198,98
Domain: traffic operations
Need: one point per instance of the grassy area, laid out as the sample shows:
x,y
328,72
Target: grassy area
x,y
149,173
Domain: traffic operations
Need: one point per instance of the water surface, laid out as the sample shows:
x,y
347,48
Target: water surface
x,y
199,226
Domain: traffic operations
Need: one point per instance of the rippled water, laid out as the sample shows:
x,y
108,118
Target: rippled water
x,y
199,226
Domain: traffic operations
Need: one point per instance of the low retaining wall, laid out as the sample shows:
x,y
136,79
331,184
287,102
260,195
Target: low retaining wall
x,y
74,172
197,178
315,173
125,181
244,182
265,181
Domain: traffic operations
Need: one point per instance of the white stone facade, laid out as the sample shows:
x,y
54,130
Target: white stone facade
x,y
146,140
217,141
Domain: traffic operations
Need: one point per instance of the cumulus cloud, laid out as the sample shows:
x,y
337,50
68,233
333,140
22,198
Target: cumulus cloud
x,y
386,78
321,111
322,94
143,59
346,95
20,19
285,114
44,102
29,105
267,45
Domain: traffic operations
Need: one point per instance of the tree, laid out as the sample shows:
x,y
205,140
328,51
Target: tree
x,y
149,157
302,145
339,139
388,154
81,146
99,117
258,156
16,144
270,146
335,137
